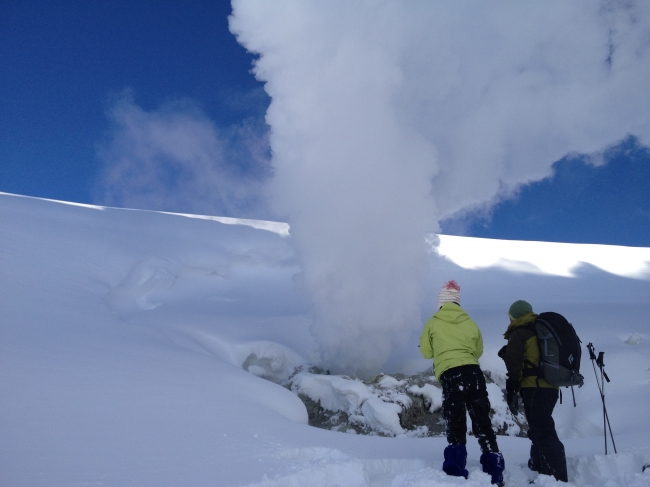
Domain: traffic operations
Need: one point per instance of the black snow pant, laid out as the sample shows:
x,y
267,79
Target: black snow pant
x,y
463,389
547,451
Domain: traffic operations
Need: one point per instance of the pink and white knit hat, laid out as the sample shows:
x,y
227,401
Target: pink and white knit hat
x,y
450,293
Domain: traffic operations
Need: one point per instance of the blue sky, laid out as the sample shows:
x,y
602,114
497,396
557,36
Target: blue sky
x,y
580,203
63,62
73,75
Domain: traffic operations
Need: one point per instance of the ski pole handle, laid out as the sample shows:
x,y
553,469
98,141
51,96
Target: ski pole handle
x,y
592,355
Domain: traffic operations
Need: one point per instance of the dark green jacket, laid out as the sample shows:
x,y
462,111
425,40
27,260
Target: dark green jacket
x,y
522,351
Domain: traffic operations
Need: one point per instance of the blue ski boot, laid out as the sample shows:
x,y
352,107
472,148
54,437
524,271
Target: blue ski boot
x,y
455,460
493,465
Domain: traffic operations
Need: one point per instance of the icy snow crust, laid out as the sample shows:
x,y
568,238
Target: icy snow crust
x,y
141,348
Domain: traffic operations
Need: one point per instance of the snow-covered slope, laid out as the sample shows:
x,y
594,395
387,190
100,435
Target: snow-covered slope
x,y
128,339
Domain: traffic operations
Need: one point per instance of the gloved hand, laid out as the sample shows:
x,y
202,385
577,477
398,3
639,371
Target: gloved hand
x,y
512,396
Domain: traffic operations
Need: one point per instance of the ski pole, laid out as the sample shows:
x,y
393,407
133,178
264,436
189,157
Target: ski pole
x,y
601,388
592,357
601,363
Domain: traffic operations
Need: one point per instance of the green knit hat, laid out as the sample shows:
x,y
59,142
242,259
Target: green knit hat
x,y
519,309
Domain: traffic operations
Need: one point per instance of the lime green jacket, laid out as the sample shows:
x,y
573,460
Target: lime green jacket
x,y
451,338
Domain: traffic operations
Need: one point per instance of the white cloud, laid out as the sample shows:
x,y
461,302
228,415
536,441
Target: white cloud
x,y
174,158
390,116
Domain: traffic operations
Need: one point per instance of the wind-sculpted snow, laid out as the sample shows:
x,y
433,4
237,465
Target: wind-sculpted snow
x,y
268,360
546,257
141,284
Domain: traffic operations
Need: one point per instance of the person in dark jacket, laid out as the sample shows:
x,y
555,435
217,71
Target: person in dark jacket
x,y
454,342
521,356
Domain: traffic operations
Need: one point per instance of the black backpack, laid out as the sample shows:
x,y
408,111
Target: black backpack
x,y
559,351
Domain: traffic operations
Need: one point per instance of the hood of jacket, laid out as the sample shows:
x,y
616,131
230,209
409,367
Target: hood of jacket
x,y
452,313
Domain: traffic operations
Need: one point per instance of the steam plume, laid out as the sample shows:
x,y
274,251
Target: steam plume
x,y
175,159
387,117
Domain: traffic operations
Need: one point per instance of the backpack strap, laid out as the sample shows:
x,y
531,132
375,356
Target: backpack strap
x,y
532,370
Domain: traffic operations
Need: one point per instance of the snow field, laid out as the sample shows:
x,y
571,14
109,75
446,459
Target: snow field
x,y
138,349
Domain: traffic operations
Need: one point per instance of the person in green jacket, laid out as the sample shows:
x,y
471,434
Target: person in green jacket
x,y
521,356
454,342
